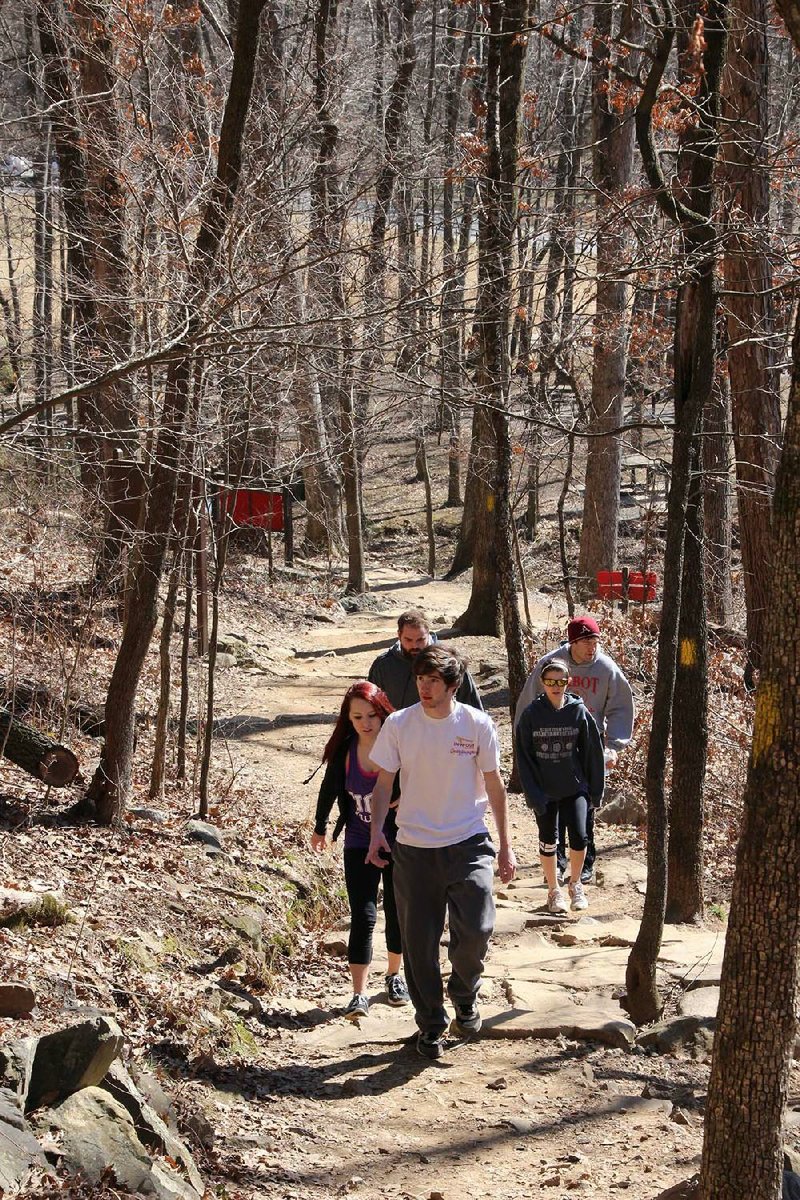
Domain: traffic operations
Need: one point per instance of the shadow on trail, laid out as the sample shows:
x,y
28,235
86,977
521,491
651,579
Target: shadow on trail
x,y
244,724
342,651
398,1066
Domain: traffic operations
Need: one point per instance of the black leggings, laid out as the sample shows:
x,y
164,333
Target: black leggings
x,y
570,813
363,881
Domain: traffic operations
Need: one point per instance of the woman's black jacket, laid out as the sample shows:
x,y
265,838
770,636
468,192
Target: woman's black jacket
x,y
333,788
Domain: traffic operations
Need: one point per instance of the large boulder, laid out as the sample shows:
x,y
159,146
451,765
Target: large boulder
x,y
72,1058
96,1133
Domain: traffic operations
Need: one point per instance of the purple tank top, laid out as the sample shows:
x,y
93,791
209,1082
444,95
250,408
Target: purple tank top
x,y
359,785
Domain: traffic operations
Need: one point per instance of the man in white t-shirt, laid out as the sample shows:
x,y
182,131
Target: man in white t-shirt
x,y
443,857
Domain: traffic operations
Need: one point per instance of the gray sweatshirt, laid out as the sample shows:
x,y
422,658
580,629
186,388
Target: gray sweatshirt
x,y
600,684
391,671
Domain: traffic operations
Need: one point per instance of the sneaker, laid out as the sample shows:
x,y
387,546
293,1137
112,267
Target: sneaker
x,y
556,902
430,1043
396,990
587,874
357,1008
563,873
577,897
467,1021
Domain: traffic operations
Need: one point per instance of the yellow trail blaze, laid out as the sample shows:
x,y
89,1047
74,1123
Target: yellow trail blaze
x,y
768,711
688,652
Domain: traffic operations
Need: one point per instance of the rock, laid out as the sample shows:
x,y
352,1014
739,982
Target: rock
x,y
203,831
19,1150
791,1159
679,1116
576,1022
225,661
16,1064
700,1002
689,1189
32,908
333,945
97,1132
623,810
249,922
16,999
693,1035
151,1130
156,815
72,1058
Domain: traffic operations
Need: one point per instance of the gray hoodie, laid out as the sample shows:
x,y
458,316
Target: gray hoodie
x,y
600,684
392,672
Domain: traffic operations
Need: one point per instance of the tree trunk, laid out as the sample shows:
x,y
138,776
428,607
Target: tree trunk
x,y
158,767
689,726
749,299
694,355
717,500
613,141
111,784
756,1018
36,753
506,57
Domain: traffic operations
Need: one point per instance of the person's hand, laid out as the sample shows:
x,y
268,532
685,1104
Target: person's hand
x,y
610,757
378,846
507,864
318,842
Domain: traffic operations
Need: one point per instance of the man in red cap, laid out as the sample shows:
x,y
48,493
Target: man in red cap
x,y
596,678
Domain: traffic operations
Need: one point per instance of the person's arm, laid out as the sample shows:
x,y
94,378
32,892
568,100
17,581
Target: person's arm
x,y
328,791
498,802
528,766
379,849
619,711
590,748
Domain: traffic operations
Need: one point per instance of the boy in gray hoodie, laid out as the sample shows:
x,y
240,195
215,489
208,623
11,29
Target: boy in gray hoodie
x,y
561,765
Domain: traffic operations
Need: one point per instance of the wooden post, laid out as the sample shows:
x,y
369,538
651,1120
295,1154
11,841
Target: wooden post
x,y
625,583
288,527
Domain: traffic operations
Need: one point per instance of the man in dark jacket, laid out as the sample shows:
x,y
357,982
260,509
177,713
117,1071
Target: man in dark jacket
x,y
392,671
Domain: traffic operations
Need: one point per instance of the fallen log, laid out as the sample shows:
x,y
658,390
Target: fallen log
x,y
36,753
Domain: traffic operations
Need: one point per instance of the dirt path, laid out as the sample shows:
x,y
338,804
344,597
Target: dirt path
x,y
554,1099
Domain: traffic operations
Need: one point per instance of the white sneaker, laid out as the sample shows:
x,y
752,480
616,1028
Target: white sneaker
x,y
556,902
577,897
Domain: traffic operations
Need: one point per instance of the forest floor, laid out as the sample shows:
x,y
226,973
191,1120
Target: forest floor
x,y
226,969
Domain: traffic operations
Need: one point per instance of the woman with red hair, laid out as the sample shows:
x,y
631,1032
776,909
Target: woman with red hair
x,y
349,779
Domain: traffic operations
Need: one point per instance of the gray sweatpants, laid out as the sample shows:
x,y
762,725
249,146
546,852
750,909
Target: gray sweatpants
x,y
453,881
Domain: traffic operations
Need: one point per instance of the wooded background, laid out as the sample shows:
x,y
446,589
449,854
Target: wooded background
x,y
247,242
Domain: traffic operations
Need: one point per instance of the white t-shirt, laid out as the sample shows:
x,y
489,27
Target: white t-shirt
x,y
443,796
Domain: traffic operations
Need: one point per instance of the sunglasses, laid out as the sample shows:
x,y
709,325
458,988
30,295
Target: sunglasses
x,y
556,683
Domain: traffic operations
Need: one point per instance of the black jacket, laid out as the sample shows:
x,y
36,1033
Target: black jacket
x,y
334,789
559,752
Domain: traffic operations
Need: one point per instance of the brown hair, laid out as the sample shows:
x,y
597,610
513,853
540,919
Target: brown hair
x,y
441,660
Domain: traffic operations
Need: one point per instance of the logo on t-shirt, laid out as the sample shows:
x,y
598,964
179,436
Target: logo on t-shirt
x,y
464,747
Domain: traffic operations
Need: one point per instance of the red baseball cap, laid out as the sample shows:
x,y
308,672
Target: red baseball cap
x,y
582,627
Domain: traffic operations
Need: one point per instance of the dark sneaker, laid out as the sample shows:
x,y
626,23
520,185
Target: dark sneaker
x,y
396,990
430,1044
587,874
357,1008
563,873
467,1021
